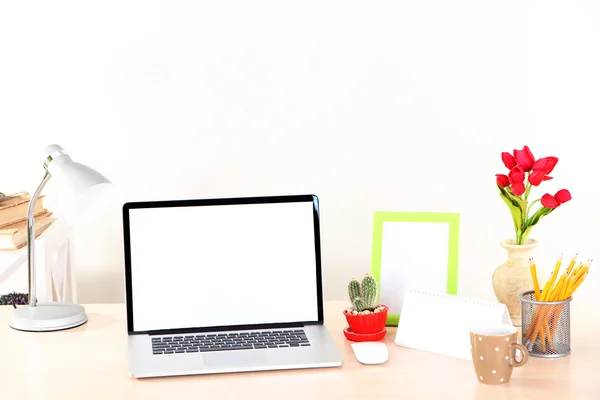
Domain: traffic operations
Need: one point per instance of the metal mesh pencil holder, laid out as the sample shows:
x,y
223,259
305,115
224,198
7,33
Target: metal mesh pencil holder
x,y
546,326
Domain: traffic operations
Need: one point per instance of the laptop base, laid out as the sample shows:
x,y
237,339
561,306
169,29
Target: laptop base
x,y
322,353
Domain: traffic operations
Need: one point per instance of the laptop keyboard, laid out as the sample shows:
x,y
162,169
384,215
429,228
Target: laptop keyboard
x,y
229,341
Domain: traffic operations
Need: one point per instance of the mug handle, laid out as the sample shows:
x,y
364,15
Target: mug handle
x,y
513,352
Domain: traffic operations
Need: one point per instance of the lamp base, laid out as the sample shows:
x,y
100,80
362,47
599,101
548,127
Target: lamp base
x,y
45,317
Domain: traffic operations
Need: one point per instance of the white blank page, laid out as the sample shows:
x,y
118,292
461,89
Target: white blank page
x,y
413,255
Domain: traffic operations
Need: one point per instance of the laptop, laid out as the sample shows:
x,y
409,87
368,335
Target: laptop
x,y
224,285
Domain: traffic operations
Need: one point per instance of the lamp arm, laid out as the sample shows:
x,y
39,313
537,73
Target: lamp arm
x,y
31,240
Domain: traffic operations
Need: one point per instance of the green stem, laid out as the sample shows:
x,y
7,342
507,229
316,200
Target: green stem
x,y
523,227
523,235
517,207
527,186
529,208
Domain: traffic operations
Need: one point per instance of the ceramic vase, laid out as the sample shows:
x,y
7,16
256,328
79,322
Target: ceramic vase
x,y
514,276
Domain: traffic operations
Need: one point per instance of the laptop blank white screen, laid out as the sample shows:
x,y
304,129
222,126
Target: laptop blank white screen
x,y
224,265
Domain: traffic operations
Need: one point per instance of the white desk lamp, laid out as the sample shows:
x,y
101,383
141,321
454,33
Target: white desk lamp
x,y
81,194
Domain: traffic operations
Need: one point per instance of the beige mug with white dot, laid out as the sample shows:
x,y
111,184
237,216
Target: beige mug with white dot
x,y
494,351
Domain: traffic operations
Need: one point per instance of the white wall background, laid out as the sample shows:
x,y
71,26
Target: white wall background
x,y
389,105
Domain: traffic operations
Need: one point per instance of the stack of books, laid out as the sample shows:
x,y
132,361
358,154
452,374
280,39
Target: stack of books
x,y
13,220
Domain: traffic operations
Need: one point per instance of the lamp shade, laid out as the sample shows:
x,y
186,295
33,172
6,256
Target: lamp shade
x,y
81,192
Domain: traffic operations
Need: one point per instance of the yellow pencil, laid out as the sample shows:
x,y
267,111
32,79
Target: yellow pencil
x,y
583,272
577,274
536,326
544,323
579,278
580,271
572,263
546,293
554,275
575,282
549,293
573,279
536,285
533,327
578,283
556,291
569,286
565,285
546,287
548,335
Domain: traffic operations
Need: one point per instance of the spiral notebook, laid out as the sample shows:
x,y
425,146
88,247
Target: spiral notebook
x,y
440,323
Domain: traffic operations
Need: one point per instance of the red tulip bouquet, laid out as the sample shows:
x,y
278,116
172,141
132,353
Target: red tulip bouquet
x,y
524,173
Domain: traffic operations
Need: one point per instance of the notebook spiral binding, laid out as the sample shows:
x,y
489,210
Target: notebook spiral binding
x,y
451,297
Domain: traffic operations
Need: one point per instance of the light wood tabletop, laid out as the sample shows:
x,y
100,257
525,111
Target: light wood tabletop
x,y
89,362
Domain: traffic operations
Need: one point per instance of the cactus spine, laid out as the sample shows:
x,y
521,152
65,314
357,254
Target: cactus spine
x,y
363,295
368,288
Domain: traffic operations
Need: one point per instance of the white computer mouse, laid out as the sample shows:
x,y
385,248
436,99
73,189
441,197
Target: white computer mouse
x,y
370,352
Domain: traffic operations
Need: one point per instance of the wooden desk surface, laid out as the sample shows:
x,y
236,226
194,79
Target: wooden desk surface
x,y
89,362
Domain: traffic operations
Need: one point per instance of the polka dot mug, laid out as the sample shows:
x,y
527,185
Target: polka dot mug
x,y
494,351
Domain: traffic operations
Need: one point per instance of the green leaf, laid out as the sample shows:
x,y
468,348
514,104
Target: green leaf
x,y
526,233
535,218
515,200
522,204
515,210
539,214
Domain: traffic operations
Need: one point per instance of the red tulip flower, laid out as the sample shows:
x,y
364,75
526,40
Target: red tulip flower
x,y
540,170
545,165
524,158
536,178
509,160
525,172
502,180
517,188
549,201
562,196
516,175
516,178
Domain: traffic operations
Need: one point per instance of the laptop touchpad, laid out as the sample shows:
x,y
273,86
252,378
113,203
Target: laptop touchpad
x,y
234,359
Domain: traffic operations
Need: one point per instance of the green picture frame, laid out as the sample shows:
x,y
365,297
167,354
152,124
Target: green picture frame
x,y
442,228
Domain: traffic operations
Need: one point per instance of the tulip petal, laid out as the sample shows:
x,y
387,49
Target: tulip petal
x,y
529,153
536,177
545,165
509,160
516,175
549,201
547,178
562,196
517,188
524,158
502,180
538,165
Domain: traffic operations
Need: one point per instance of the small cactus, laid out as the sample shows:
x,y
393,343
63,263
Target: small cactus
x,y
363,295
368,288
359,304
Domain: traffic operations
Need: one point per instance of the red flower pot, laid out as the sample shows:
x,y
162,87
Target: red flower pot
x,y
367,323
